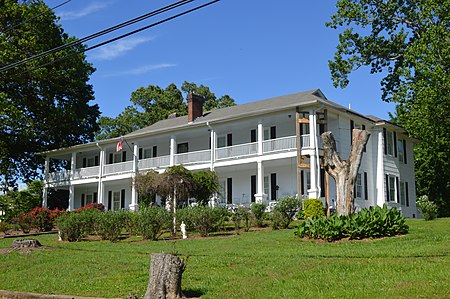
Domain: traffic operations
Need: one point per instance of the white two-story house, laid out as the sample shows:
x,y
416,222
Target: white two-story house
x,y
261,151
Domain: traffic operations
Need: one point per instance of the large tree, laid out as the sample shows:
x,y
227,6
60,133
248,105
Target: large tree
x,y
152,103
408,41
40,108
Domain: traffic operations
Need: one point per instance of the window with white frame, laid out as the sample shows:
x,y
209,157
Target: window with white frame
x,y
147,153
358,186
266,185
116,201
392,191
221,141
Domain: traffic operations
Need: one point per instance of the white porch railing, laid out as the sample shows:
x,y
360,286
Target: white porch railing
x,y
161,161
60,176
118,168
235,151
86,172
279,144
193,157
305,141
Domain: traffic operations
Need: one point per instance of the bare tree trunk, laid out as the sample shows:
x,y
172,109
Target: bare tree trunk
x,y
344,171
165,277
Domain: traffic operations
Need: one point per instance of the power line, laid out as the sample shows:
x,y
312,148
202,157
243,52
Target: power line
x,y
34,17
120,37
97,34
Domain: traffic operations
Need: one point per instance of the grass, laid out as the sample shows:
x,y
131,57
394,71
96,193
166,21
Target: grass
x,y
262,264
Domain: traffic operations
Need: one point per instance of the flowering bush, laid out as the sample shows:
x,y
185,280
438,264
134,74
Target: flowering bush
x,y
427,207
92,206
39,218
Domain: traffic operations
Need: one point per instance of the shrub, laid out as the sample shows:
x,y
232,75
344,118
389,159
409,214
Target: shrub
x,y
312,208
203,219
258,212
150,222
74,226
92,206
374,222
5,227
109,224
25,221
427,207
241,214
284,211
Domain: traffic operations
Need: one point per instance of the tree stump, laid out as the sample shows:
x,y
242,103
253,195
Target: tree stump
x,y
25,243
165,277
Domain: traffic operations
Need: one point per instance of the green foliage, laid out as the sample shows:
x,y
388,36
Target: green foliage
x,y
375,222
313,208
5,227
151,221
74,226
428,208
202,219
45,108
410,42
284,211
207,183
109,224
241,214
258,213
151,104
15,202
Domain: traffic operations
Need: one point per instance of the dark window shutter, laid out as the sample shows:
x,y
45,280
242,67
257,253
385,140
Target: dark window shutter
x,y
366,187
302,187
252,187
301,129
352,126
96,161
322,182
140,153
395,144
109,200
82,199
155,151
111,158
387,187
273,186
273,132
404,151
95,197
229,190
122,199
407,194
398,189
253,135
229,139
364,150
124,156
209,143
84,162
385,141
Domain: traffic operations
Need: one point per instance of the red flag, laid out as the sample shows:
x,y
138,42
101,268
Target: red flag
x,y
119,145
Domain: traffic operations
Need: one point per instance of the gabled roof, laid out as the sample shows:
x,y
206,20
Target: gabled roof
x,y
235,112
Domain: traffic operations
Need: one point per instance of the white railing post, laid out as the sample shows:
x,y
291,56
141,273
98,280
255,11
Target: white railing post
x,y
134,194
260,138
173,144
45,191
73,165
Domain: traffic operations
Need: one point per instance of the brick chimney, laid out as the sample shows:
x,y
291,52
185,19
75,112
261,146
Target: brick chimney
x,y
195,106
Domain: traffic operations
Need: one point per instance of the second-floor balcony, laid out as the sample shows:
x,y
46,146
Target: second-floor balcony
x,y
245,150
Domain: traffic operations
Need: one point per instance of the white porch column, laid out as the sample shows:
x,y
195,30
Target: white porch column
x,y
260,197
45,191
73,165
314,172
260,138
71,197
134,195
100,175
173,145
380,170
213,137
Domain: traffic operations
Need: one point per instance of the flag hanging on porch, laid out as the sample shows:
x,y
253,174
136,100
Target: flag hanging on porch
x,y
119,145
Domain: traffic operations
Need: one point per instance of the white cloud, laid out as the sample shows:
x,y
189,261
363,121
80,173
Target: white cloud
x,y
91,8
118,48
142,69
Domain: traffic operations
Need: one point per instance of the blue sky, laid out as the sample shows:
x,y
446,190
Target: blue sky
x,y
250,50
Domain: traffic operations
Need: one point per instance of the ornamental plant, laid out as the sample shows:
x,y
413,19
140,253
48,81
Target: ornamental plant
x,y
427,207
313,208
284,211
151,221
109,224
258,213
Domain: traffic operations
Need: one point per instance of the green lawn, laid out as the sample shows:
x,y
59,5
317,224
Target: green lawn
x,y
264,264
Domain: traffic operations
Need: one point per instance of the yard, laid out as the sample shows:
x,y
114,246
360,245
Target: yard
x,y
258,264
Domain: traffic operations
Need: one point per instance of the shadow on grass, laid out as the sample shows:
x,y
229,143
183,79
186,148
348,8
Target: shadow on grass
x,y
193,293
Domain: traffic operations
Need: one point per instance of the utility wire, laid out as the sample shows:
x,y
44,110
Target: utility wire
x,y
34,17
120,37
97,34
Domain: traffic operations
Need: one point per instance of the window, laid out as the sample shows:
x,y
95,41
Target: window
x,y
221,141
266,185
402,193
116,201
182,148
358,186
402,150
147,153
391,188
389,143
90,161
